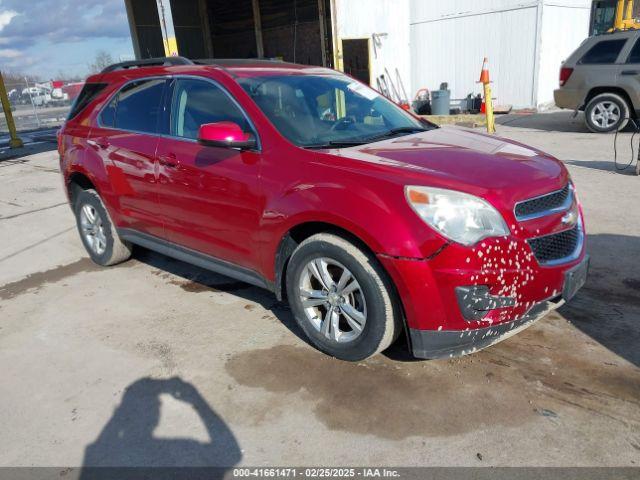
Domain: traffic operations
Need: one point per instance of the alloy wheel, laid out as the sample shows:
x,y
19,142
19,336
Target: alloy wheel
x,y
605,114
333,300
93,229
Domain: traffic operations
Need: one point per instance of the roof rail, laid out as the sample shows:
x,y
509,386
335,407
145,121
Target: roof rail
x,y
148,62
234,61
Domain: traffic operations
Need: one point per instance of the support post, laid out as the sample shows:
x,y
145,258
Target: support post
x,y
206,27
485,80
14,141
132,28
168,31
257,24
323,31
488,101
337,43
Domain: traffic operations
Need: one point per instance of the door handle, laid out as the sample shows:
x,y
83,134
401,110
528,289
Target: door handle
x,y
100,143
169,160
629,72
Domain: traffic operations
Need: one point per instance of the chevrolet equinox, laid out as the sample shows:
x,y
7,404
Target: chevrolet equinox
x,y
370,221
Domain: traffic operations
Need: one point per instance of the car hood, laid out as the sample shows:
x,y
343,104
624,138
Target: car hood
x,y
467,161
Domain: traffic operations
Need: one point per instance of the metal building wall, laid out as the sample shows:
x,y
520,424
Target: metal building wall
x,y
565,24
449,40
385,23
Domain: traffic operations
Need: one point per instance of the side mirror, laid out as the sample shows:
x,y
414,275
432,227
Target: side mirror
x,y
225,134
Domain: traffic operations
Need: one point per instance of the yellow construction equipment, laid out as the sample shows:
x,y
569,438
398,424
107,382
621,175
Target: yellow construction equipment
x,y
624,17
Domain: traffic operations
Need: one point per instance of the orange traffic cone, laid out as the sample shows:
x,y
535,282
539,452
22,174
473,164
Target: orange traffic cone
x,y
484,75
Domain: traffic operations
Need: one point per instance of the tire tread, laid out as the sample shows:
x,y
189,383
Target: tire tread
x,y
121,250
370,264
626,111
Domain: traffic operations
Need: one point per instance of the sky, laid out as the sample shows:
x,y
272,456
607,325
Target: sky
x,y
45,37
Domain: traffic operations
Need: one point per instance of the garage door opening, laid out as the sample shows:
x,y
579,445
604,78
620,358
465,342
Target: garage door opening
x,y
291,30
356,58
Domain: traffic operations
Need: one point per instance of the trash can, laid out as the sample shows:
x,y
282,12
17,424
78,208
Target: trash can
x,y
440,102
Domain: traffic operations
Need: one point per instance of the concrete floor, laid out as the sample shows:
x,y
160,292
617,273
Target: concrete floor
x,y
155,362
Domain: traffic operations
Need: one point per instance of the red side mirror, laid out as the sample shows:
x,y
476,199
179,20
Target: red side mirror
x,y
225,134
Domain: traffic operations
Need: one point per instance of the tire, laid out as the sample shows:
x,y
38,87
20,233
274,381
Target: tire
x,y
370,302
607,112
99,237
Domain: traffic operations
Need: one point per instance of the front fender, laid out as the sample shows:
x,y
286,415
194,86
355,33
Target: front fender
x,y
379,217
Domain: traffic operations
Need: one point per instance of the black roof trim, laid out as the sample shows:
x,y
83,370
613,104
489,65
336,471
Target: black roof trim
x,y
223,62
148,62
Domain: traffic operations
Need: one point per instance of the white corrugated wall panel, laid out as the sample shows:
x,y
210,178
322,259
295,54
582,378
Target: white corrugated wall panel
x,y
425,10
450,49
565,24
363,18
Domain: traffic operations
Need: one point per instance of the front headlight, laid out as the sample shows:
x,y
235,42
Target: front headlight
x,y
461,217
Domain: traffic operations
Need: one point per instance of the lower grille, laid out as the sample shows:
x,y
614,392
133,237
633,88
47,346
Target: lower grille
x,y
558,246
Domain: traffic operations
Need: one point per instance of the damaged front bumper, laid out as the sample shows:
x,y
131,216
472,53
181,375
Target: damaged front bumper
x,y
433,344
453,343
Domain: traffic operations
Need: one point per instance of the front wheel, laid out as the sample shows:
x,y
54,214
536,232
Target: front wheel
x,y
607,112
341,298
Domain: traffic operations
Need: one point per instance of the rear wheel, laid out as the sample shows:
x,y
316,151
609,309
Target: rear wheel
x,y
341,298
607,112
98,234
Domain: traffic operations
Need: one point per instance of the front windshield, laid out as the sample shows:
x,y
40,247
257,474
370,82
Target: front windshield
x,y
328,110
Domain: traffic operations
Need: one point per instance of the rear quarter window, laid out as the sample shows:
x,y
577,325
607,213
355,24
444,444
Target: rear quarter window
x,y
634,55
88,93
603,52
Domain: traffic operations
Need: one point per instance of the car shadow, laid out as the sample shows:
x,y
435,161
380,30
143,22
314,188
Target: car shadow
x,y
127,445
560,121
557,121
196,279
607,165
607,309
7,153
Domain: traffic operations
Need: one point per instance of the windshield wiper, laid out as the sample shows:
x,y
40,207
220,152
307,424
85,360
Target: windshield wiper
x,y
355,142
337,144
395,131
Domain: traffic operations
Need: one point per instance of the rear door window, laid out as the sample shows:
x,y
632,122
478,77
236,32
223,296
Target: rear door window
x,y
604,52
139,106
108,114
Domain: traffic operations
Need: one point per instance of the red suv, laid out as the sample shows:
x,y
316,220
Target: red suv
x,y
303,181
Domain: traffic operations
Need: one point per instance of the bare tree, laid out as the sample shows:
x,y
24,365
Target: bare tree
x,y
67,77
102,60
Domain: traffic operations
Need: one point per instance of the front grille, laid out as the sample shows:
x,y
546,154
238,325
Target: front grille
x,y
544,205
558,246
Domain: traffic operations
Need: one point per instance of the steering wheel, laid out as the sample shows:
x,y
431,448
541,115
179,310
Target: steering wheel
x,y
342,123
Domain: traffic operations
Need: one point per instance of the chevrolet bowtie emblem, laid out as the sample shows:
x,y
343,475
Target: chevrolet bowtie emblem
x,y
570,218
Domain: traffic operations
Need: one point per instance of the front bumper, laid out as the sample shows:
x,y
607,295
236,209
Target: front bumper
x,y
432,344
439,325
